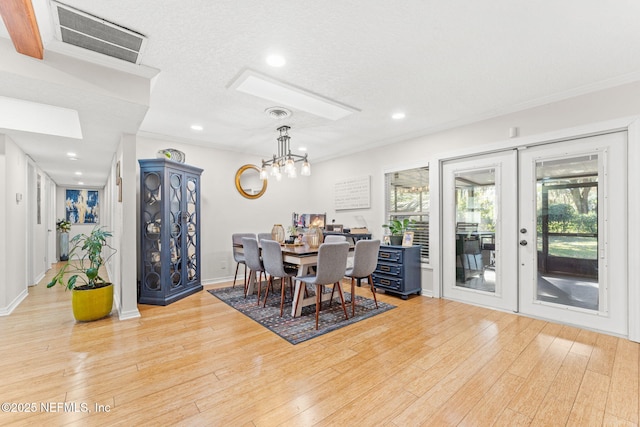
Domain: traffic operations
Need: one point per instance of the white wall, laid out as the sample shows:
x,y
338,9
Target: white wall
x,y
223,210
13,226
600,106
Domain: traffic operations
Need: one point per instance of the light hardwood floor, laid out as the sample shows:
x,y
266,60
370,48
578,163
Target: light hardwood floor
x,y
199,362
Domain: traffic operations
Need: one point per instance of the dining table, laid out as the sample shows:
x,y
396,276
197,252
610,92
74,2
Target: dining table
x,y
304,257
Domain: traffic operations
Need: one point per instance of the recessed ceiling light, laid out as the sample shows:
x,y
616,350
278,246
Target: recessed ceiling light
x,y
196,127
71,154
398,116
80,183
78,173
276,60
302,148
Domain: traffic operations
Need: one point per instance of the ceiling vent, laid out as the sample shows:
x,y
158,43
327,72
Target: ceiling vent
x,y
277,113
80,29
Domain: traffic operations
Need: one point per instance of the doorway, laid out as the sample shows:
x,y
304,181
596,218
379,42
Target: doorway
x,y
541,230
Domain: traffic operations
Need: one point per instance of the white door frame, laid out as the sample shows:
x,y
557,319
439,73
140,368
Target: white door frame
x,y
630,124
30,195
51,221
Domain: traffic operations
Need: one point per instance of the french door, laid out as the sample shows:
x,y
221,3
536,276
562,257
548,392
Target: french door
x,y
573,232
541,230
480,215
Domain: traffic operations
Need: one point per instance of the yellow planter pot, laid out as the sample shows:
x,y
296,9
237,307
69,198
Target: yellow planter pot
x,y
92,304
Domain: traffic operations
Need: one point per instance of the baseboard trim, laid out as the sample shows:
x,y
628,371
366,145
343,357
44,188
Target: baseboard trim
x,y
5,311
124,315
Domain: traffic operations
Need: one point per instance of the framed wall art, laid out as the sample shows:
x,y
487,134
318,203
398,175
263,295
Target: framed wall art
x,y
309,220
352,193
82,206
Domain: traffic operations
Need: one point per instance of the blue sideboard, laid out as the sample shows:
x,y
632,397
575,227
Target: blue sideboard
x,y
398,270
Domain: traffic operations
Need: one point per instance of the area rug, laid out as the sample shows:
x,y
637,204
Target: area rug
x,y
298,329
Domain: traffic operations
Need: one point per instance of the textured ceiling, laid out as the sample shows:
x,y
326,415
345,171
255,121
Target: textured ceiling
x,y
442,63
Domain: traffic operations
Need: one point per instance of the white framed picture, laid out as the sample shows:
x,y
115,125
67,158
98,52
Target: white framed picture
x,y
407,238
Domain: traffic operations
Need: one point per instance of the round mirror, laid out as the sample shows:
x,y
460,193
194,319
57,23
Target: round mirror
x,y
248,182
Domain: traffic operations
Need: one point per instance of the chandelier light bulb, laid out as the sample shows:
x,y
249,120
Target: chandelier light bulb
x,y
305,170
289,165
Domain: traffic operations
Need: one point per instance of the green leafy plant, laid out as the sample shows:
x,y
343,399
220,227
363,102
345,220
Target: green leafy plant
x,y
85,259
398,227
63,226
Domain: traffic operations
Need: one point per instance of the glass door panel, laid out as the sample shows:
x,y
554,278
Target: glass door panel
x,y
480,219
567,231
475,229
175,242
192,221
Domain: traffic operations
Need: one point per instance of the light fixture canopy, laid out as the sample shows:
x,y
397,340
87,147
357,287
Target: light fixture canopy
x,y
284,161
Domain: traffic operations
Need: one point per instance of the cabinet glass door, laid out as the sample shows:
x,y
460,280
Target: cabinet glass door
x,y
175,224
152,227
191,231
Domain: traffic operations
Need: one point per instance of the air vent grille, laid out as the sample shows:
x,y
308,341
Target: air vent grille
x,y
80,29
277,112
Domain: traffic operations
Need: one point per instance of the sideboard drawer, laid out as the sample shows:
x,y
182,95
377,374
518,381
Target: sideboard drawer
x,y
390,255
389,269
387,282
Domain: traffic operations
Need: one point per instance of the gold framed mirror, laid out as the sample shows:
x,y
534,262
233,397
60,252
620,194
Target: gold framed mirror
x,y
248,182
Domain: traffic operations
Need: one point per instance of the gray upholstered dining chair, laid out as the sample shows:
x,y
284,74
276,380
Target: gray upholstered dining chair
x,y
334,238
264,236
253,262
276,268
238,256
365,261
332,262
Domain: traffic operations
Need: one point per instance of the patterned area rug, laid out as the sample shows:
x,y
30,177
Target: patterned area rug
x,y
298,329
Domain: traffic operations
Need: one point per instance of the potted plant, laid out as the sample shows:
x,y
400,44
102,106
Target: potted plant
x,y
293,234
397,228
63,226
92,296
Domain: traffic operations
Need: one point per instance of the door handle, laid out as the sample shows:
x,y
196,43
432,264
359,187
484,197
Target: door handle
x,y
523,243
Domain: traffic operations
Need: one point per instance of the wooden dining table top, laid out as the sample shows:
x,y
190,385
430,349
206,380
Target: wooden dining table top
x,y
297,249
300,250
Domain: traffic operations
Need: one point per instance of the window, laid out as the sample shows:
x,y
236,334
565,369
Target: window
x,y
407,196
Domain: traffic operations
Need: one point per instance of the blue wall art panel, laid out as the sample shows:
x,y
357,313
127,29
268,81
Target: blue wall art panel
x,y
82,206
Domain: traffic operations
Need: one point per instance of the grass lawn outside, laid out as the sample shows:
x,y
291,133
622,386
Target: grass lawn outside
x,y
572,247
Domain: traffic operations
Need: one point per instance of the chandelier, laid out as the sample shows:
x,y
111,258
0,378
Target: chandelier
x,y
284,162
